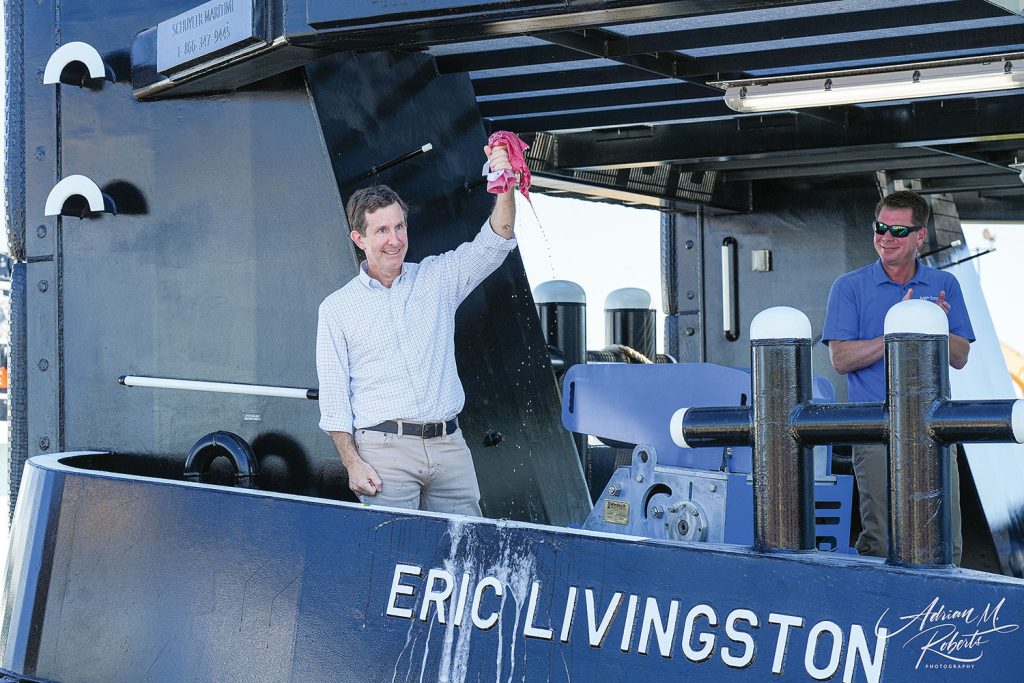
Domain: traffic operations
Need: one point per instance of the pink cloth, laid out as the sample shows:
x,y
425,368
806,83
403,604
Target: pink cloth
x,y
507,179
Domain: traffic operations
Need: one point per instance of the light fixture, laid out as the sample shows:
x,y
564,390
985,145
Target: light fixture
x,y
902,82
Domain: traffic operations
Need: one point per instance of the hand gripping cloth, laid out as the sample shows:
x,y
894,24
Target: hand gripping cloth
x,y
503,181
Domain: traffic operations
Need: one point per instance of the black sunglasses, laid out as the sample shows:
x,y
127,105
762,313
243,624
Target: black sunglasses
x,y
895,230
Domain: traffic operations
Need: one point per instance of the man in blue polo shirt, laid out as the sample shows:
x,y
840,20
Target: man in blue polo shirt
x,y
857,305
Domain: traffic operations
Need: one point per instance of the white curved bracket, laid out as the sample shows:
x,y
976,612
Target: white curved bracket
x,y
73,52
72,185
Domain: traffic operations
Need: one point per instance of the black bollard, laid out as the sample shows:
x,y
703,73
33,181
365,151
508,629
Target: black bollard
x,y
783,466
562,309
917,421
630,321
917,379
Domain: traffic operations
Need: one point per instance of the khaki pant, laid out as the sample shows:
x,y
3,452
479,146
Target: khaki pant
x,y
421,474
871,469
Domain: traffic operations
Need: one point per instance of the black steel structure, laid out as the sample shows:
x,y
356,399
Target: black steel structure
x,y
616,94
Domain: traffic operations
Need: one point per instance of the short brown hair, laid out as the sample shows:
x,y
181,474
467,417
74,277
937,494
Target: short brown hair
x,y
905,199
369,199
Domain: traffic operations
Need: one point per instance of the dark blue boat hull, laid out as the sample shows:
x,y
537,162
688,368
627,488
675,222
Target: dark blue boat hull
x,y
120,578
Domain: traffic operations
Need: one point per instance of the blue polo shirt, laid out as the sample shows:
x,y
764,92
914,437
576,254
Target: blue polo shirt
x,y
857,305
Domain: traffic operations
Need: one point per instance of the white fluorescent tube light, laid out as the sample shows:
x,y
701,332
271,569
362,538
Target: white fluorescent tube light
x,y
904,82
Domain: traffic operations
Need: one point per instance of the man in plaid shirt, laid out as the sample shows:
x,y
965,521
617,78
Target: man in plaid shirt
x,y
390,393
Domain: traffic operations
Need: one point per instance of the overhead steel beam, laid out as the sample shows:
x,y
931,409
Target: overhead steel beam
x,y
612,116
961,42
872,19
560,79
1007,192
482,60
384,25
649,94
867,153
972,183
616,46
941,168
924,123
596,42
732,197
916,167
1000,205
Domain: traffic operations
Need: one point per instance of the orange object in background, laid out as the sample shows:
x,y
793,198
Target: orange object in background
x,y
3,378
1014,363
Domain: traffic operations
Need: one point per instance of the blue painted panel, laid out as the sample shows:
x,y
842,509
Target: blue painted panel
x,y
160,580
833,507
634,403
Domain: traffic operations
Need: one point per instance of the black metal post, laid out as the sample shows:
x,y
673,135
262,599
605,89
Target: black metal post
x,y
783,466
823,423
918,421
629,321
975,421
562,308
917,378
700,427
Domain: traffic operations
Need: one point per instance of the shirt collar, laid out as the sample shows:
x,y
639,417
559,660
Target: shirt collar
x,y
374,284
881,277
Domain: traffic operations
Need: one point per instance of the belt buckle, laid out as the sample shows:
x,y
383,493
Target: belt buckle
x,y
430,430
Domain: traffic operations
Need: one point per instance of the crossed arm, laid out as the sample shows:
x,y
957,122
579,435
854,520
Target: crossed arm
x,y
854,354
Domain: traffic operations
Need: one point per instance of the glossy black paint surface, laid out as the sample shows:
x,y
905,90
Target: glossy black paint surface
x,y
783,466
976,421
632,327
230,233
920,526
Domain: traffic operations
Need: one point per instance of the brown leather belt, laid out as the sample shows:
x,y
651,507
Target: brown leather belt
x,y
424,430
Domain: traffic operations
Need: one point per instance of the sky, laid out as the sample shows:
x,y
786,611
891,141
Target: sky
x,y
1002,275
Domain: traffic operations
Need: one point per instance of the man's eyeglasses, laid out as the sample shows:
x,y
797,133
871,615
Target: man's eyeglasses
x,y
895,230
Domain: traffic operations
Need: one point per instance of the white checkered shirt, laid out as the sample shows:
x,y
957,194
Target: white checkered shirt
x,y
389,353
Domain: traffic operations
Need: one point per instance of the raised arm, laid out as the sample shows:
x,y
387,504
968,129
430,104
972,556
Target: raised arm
x,y
503,216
